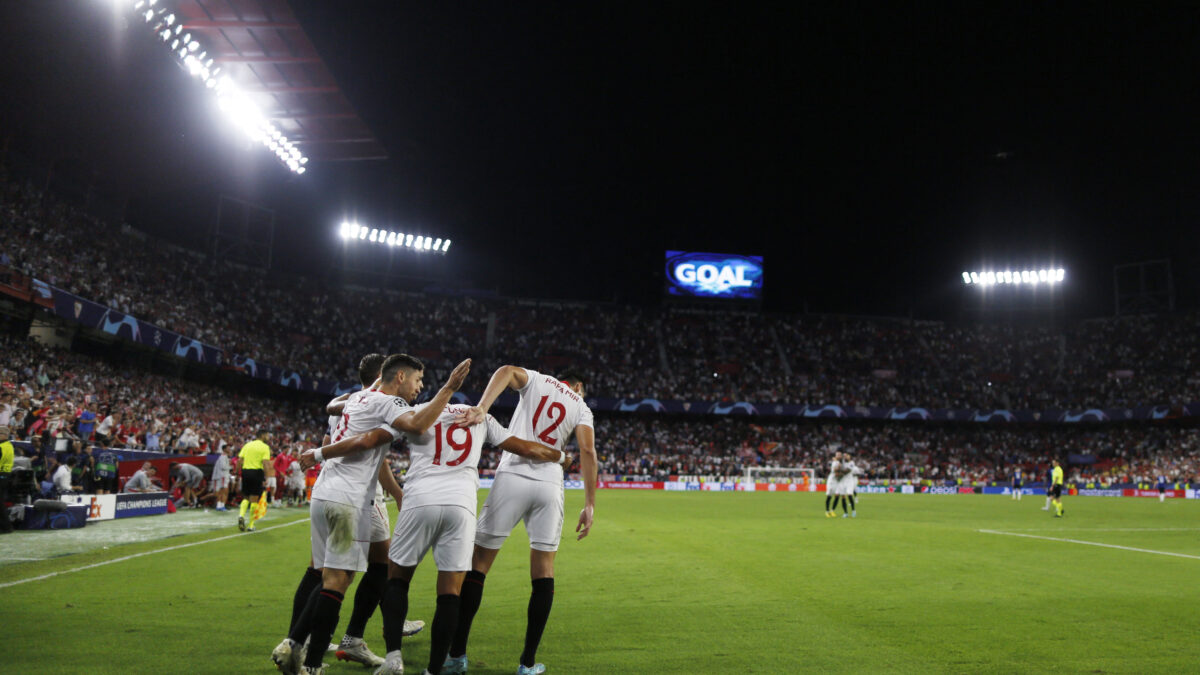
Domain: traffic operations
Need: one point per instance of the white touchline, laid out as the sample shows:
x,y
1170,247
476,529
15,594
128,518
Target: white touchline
x,y
18,582
1092,543
1109,529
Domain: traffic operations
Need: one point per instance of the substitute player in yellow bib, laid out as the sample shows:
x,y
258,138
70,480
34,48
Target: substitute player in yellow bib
x,y
255,457
1056,488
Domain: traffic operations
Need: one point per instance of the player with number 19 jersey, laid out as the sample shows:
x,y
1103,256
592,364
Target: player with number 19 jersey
x,y
548,413
441,491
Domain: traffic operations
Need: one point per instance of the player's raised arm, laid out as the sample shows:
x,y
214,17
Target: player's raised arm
x,y
347,446
337,405
505,377
585,437
418,422
534,451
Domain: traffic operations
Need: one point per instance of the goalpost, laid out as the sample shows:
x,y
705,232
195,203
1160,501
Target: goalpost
x,y
781,474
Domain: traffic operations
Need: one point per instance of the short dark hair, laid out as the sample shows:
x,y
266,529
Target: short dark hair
x,y
393,364
571,376
261,433
369,368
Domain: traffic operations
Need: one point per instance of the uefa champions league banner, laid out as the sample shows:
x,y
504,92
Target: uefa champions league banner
x,y
94,315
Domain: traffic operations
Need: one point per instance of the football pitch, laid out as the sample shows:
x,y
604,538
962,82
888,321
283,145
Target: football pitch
x,y
675,582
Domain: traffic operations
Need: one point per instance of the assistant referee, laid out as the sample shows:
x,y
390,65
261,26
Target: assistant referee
x,y
255,455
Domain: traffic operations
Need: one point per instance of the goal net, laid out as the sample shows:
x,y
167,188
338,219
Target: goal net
x,y
780,474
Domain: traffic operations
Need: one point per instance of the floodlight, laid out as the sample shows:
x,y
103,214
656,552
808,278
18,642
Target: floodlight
x,y
362,231
301,170
170,19
428,243
174,45
437,244
165,35
408,240
446,246
139,4
1061,274
178,29
149,15
966,277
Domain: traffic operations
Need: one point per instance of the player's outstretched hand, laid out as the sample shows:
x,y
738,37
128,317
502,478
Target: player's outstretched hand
x,y
458,375
585,523
308,459
474,415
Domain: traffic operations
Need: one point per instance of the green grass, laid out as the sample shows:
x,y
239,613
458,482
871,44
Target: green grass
x,y
684,582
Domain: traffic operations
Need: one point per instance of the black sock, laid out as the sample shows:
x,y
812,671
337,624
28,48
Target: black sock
x,y
827,498
303,625
851,498
845,505
540,601
324,622
367,598
445,620
395,611
472,594
311,580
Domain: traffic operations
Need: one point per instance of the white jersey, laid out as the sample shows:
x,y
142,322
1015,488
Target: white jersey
x,y
333,423
295,471
834,467
547,413
353,479
221,467
444,461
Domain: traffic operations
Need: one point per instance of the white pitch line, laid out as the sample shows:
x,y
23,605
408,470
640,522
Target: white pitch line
x,y
1110,529
1092,543
145,553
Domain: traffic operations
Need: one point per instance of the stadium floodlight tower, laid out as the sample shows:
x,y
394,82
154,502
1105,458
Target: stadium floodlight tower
x,y
1024,292
351,231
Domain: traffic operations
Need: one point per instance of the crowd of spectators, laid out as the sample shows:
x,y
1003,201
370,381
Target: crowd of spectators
x,y
302,324
658,447
54,398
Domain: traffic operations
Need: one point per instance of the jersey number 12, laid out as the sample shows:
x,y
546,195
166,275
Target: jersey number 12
x,y
555,420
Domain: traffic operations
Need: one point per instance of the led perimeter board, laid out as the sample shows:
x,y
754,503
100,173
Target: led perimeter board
x,y
714,275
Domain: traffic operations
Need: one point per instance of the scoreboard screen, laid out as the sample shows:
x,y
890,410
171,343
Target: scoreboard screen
x,y
714,275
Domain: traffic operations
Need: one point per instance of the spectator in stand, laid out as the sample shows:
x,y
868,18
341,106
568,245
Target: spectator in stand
x,y
152,440
107,429
188,441
143,480
85,422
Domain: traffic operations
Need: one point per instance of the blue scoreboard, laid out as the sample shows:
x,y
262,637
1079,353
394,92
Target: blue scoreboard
x,y
714,275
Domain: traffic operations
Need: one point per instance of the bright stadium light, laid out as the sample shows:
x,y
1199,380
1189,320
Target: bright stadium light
x,y
1014,277
349,231
190,52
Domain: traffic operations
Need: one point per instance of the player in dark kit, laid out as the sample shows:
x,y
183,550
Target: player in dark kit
x,y
1018,481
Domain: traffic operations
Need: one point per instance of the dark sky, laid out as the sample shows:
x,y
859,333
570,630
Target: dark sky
x,y
871,154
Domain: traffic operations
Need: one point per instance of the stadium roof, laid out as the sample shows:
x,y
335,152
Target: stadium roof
x,y
262,46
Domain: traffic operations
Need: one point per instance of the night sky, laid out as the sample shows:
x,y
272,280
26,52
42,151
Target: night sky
x,y
871,154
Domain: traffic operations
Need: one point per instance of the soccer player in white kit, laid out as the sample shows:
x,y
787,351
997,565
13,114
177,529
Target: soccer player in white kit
x,y
341,498
831,485
549,410
439,512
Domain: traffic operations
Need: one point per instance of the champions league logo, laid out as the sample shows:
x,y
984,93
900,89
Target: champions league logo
x,y
246,364
1092,415
739,408
189,349
823,411
994,416
908,414
114,327
290,380
645,404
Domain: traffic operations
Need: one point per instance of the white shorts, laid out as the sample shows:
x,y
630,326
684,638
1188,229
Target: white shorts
x,y
381,527
514,498
220,483
340,536
448,530
295,483
847,485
